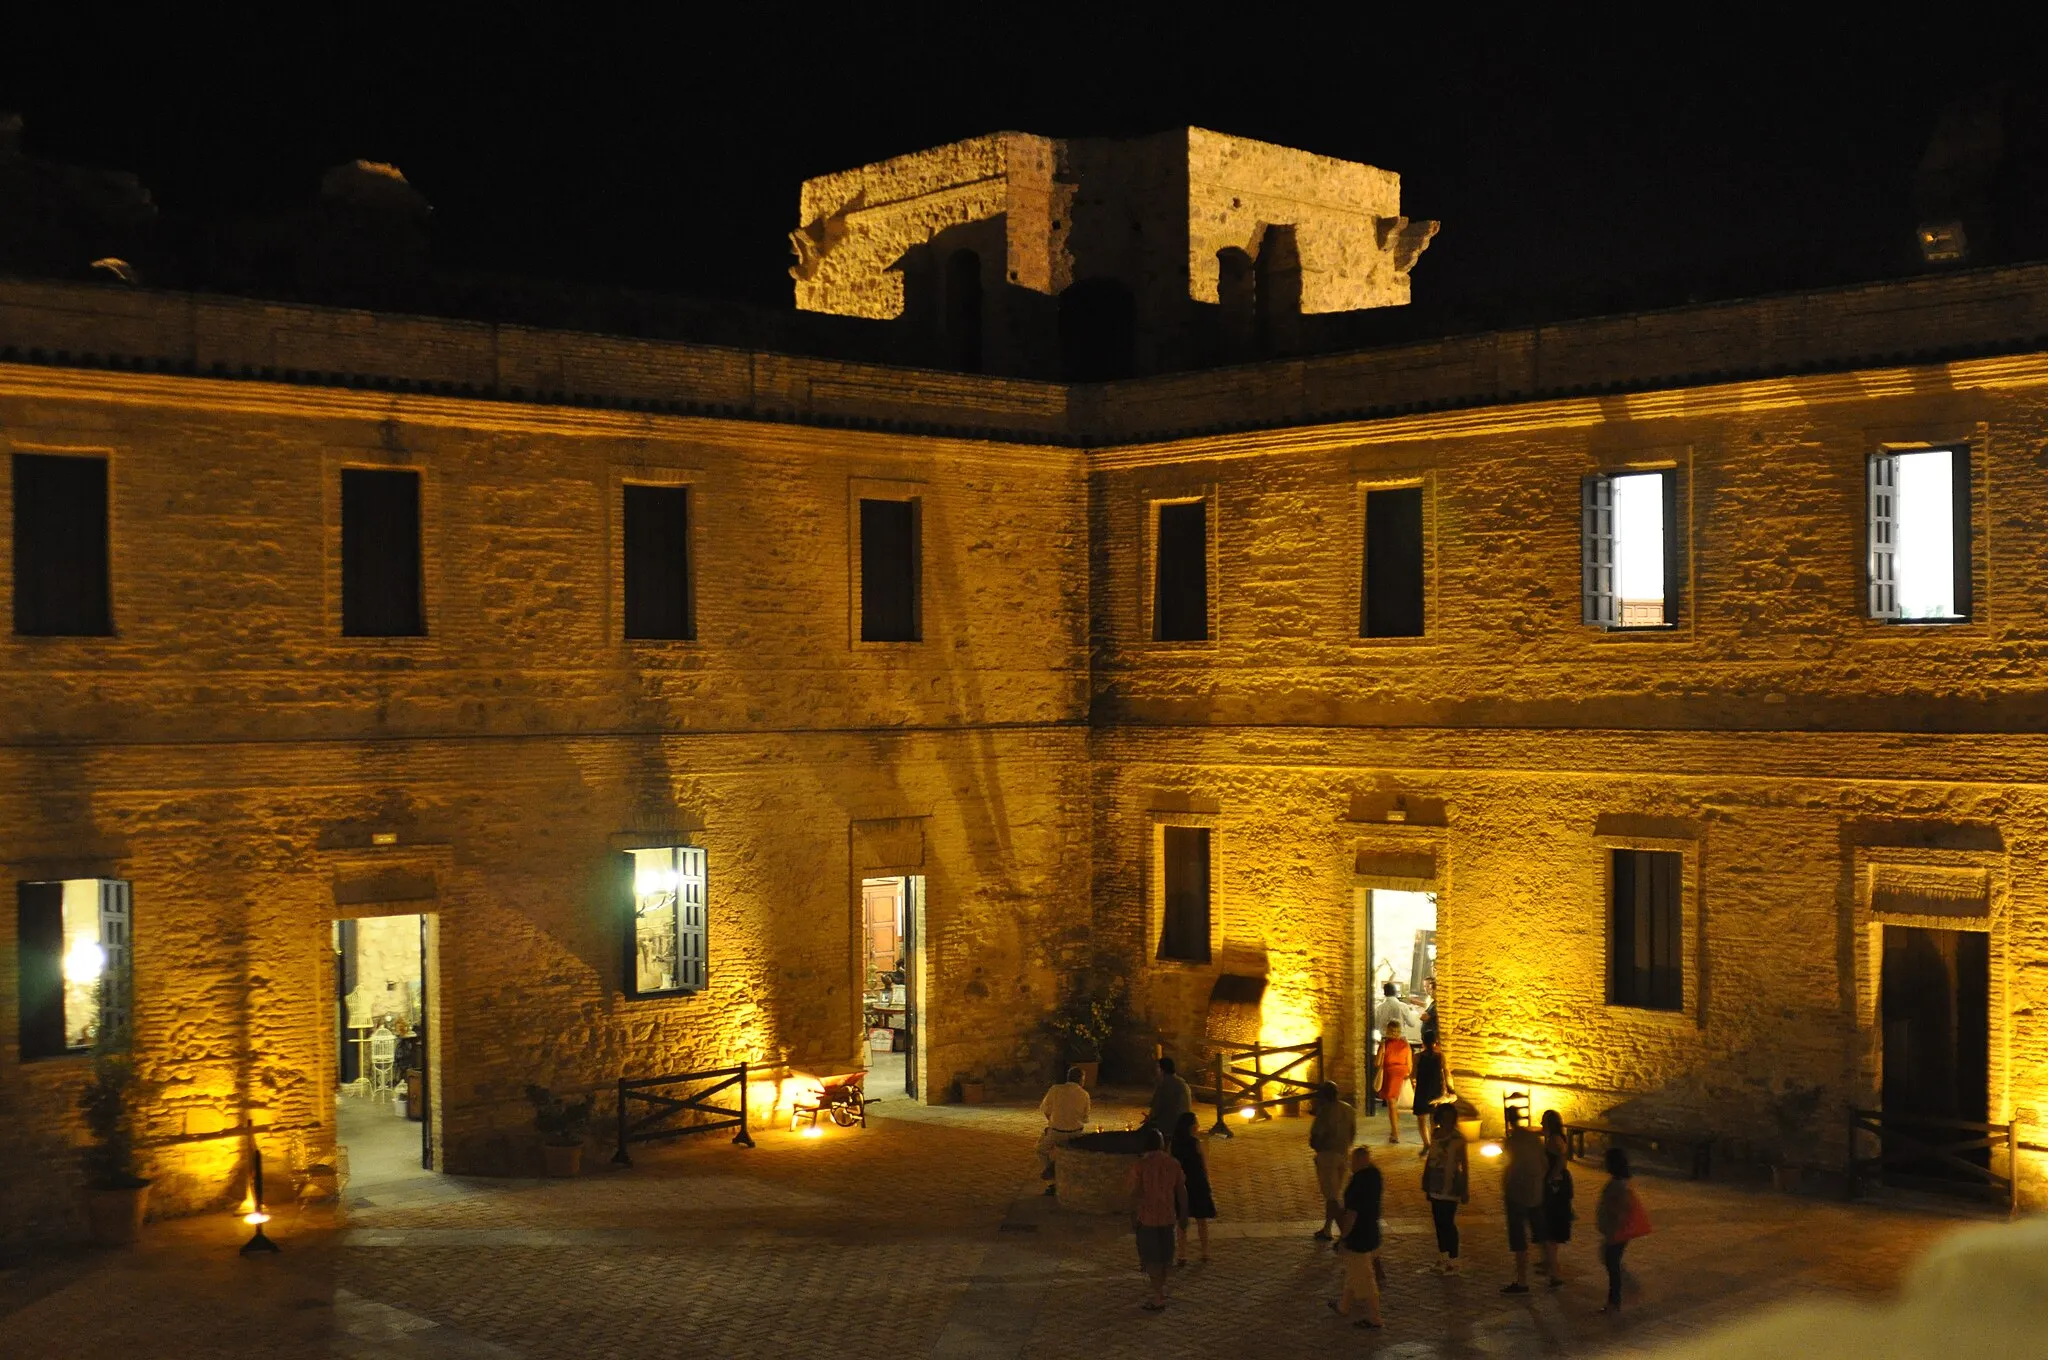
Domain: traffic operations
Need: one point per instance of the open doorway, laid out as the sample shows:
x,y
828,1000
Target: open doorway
x,y
381,1118
1400,952
1935,992
889,912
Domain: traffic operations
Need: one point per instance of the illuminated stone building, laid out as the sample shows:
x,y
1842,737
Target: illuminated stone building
x,y
1635,641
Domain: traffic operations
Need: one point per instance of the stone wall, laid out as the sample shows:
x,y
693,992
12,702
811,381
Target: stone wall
x,y
242,764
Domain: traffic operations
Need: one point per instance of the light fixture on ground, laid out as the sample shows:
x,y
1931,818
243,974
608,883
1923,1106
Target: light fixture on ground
x,y
257,1217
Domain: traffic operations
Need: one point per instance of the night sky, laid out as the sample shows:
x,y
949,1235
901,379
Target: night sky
x,y
1578,167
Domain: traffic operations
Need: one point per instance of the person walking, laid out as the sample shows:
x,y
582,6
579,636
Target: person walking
x,y
1557,1194
1171,1099
1359,1246
1065,1110
1522,1189
1392,1015
1397,1063
1431,1086
1159,1200
1330,1136
1621,1219
1446,1183
1187,1150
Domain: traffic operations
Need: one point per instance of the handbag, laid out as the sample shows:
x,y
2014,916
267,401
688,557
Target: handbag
x,y
1636,1223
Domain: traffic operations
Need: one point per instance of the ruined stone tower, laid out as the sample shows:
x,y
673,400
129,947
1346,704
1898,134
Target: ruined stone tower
x,y
1090,259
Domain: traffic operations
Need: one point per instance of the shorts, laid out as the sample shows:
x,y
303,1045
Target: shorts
x,y
1526,1226
1155,1247
1333,1173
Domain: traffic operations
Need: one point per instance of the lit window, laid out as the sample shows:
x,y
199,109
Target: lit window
x,y
1920,536
74,977
1627,532
665,946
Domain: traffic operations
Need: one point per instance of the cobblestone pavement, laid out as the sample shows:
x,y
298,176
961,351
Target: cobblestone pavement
x,y
924,1235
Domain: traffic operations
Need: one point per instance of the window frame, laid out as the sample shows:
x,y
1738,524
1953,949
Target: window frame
x,y
337,572
114,1026
1155,892
878,489
1599,571
624,557
1695,973
630,897
1880,574
1659,974
1151,501
1362,538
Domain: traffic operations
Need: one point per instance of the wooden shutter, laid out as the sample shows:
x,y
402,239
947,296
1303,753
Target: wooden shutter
x,y
692,933
1667,969
1600,607
39,944
1184,932
116,980
1674,545
1884,536
1959,470
656,552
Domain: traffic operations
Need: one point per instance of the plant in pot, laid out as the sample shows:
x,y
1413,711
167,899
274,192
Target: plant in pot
x,y
1793,1108
562,1125
1086,1017
117,1195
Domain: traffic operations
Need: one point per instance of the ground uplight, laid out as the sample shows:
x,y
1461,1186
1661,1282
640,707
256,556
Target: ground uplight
x,y
1489,1149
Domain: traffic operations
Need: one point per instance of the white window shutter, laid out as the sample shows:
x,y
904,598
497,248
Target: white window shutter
x,y
1596,505
115,980
691,911
1884,536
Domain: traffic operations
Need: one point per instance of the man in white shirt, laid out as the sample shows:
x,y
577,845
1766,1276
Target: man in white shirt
x,y
1393,1014
1065,1108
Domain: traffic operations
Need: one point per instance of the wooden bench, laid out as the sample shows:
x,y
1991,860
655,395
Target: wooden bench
x,y
1700,1145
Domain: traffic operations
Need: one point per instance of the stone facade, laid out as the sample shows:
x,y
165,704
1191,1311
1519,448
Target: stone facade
x,y
255,775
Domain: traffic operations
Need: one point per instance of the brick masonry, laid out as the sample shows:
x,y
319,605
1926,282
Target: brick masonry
x,y
230,754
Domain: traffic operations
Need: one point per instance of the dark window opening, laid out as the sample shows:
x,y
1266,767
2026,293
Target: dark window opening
x,y
1392,604
1180,574
657,563
963,310
1647,964
380,553
1098,324
1237,292
1184,933
888,571
61,585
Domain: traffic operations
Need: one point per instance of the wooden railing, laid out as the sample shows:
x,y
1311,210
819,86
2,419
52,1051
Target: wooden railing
x,y
1256,1077
660,1106
1908,1143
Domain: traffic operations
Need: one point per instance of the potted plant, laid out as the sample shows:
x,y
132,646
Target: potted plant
x,y
1792,1112
971,1090
1086,1017
117,1196
562,1125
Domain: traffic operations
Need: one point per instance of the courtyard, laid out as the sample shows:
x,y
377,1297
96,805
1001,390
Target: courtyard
x,y
925,1234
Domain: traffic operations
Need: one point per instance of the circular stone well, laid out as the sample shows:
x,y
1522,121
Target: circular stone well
x,y
1091,1169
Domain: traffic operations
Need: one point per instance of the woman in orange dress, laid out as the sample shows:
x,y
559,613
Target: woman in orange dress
x,y
1397,1062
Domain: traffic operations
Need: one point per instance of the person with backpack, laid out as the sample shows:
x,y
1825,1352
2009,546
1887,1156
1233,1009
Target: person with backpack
x,y
1446,1184
1621,1219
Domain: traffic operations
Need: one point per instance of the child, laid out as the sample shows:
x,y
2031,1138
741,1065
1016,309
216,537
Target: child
x,y
1621,1219
1187,1150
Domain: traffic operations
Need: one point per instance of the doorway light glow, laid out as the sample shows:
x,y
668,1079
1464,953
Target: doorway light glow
x,y
1925,552
1639,537
84,961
